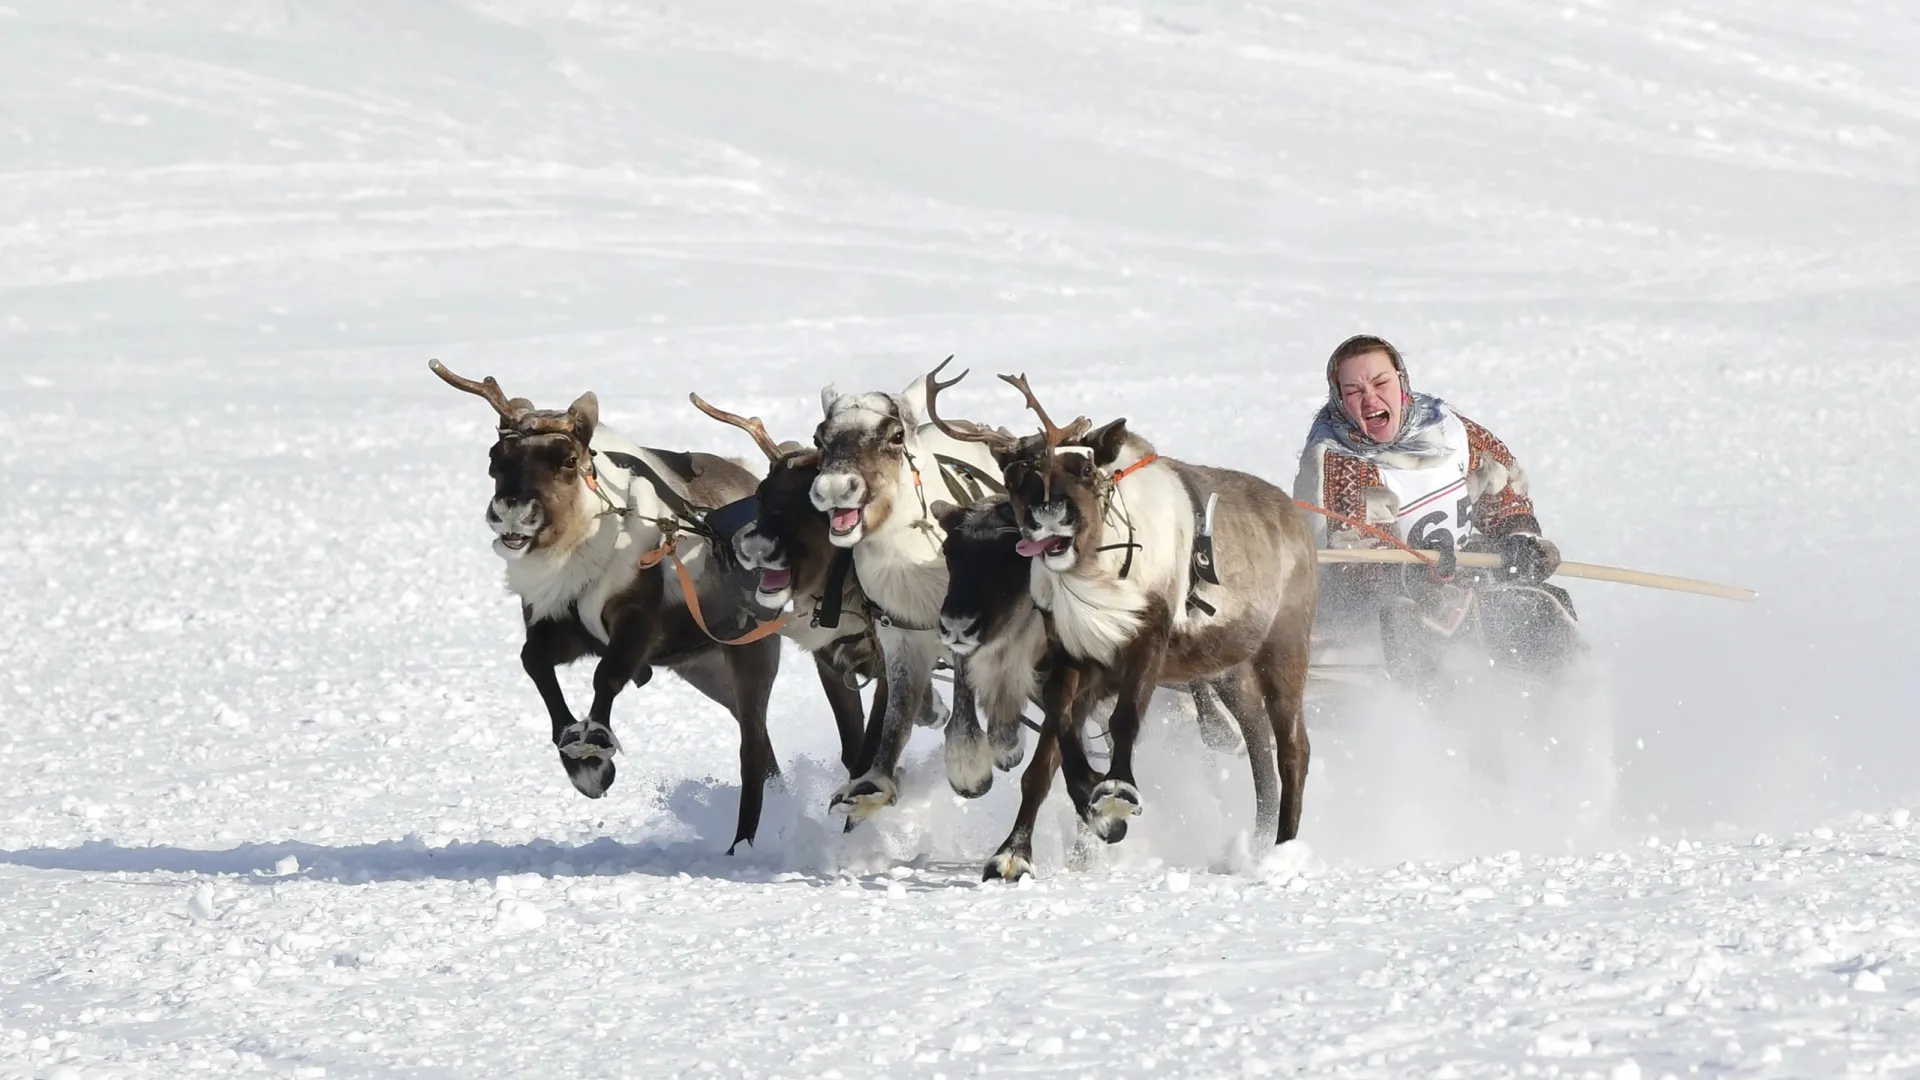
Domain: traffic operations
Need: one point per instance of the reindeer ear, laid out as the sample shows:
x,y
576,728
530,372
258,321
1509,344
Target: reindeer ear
x,y
585,413
1107,441
828,395
947,514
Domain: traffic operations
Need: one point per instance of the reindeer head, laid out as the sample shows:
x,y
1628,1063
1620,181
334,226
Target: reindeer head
x,y
1059,498
865,442
542,468
786,542
986,578
1056,480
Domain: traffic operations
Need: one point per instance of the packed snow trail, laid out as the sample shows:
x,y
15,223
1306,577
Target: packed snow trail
x,y
280,799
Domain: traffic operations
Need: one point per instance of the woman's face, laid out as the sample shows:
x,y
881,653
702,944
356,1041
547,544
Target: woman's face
x,y
1370,394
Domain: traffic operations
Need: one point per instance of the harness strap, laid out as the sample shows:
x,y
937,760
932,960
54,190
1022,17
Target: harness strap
x,y
968,482
925,521
879,616
827,612
1374,531
1122,474
691,596
681,508
1113,488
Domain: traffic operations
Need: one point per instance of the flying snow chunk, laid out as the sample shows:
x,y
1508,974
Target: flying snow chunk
x,y
514,914
286,865
1177,881
1285,864
1549,1044
200,905
1626,1070
1868,981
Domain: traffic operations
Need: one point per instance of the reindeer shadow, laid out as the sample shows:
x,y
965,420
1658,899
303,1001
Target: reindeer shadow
x,y
689,838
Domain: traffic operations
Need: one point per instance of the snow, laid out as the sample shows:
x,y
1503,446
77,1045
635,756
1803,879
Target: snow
x,y
280,802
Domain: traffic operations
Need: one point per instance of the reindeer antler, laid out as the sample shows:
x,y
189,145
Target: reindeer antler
x,y
960,430
486,388
1055,435
751,425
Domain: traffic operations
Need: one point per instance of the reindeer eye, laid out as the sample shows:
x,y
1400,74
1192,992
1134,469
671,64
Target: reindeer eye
x,y
898,436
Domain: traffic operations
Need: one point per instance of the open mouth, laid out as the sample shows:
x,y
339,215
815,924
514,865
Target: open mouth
x,y
515,541
1052,545
842,522
775,581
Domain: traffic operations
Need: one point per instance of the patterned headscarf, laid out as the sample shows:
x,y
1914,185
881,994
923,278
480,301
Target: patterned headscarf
x,y
1420,440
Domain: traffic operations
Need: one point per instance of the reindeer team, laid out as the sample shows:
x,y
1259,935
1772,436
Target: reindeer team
x,y
1072,568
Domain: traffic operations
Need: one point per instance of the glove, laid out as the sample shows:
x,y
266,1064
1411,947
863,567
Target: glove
x,y
1525,557
1441,543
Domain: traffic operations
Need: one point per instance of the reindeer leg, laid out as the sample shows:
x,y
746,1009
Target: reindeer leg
x,y
968,757
1075,767
587,746
1004,739
549,645
909,667
1216,730
870,742
848,715
1283,682
753,669
1117,798
1014,860
1240,692
876,723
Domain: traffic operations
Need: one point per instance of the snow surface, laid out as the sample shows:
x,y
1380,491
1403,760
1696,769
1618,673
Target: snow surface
x,y
280,802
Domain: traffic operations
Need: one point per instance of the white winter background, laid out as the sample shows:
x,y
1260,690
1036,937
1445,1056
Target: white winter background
x,y
277,799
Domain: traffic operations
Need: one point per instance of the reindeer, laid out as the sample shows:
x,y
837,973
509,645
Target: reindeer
x,y
785,547
582,517
999,638
876,458
1108,528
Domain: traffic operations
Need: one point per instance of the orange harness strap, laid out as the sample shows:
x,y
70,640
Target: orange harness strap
x,y
1122,474
651,559
1374,531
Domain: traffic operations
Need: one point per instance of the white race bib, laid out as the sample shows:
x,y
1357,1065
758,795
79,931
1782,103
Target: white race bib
x,y
1435,499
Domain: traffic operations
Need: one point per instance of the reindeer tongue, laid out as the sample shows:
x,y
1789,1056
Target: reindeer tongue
x,y
1030,548
844,520
774,580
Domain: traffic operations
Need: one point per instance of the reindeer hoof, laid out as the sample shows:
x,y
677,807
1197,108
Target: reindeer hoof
x,y
860,799
591,776
969,761
1007,866
932,714
586,752
1008,758
985,785
1109,806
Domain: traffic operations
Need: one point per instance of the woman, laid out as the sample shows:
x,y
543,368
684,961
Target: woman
x,y
1410,465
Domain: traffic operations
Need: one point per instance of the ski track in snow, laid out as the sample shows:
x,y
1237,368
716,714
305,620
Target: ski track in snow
x,y
279,800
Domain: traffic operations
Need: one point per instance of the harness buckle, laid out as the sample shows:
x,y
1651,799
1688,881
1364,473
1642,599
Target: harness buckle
x,y
1203,564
